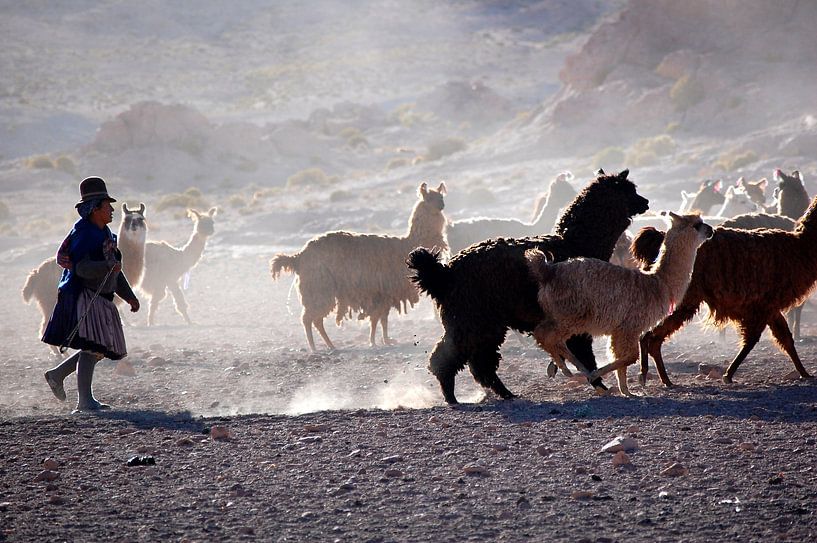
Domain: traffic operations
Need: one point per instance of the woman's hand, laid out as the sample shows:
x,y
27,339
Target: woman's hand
x,y
134,305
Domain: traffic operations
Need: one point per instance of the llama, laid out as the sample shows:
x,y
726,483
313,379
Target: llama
x,y
41,283
462,233
791,198
585,295
736,202
748,278
165,265
756,191
131,241
363,273
487,289
708,196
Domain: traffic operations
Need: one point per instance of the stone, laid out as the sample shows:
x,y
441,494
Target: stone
x,y
620,443
581,495
50,464
621,458
124,369
220,433
791,376
392,473
747,446
156,362
47,475
544,450
675,470
392,459
475,469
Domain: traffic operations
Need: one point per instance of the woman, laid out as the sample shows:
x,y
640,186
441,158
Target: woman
x,y
85,316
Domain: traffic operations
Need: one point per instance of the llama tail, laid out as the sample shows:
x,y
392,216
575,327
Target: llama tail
x,y
646,246
282,262
28,288
430,275
539,264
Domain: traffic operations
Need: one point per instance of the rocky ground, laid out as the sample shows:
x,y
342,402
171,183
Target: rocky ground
x,y
357,445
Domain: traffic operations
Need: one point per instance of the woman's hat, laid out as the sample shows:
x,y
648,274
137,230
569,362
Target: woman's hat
x,y
92,188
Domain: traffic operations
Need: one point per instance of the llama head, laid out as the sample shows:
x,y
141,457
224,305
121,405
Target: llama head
x,y
621,188
560,191
689,227
433,197
794,180
756,191
736,202
133,222
708,196
203,221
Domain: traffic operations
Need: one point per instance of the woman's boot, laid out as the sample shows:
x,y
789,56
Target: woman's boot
x,y
85,376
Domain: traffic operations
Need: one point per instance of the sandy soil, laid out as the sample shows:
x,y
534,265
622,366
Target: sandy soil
x,y
357,445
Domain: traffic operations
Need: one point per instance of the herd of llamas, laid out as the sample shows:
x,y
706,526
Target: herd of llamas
x,y
750,262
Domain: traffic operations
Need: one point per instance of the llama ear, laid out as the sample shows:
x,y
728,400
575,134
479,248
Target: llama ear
x,y
423,190
777,175
685,195
193,213
125,208
624,174
717,185
141,208
599,172
212,212
798,175
442,189
741,182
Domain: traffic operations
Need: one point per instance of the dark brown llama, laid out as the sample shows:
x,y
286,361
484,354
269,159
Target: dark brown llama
x,y
748,278
791,198
363,273
487,289
707,196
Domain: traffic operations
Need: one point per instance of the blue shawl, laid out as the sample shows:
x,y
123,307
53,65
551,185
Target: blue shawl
x,y
86,240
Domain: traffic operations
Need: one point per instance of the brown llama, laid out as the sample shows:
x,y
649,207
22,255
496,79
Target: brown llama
x,y
487,288
755,190
465,232
41,283
363,273
165,265
585,295
748,278
704,199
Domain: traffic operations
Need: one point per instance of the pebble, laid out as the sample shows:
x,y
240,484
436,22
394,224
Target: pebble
x,y
315,427
675,470
220,432
393,473
434,419
707,369
156,361
621,458
581,495
475,469
4,506
50,463
497,447
310,439
544,450
124,369
791,376
715,374
56,499
620,443
47,475
184,442
747,446
722,440
392,459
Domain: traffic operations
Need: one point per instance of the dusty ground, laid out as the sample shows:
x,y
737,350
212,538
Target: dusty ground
x,y
321,450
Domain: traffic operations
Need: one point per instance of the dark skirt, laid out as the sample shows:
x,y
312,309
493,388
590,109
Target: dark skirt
x,y
100,331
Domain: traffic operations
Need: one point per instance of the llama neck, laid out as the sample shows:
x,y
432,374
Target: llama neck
x,y
806,227
426,227
674,268
547,213
193,250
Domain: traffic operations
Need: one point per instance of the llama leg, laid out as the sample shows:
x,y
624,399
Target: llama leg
x,y
155,297
444,363
179,301
483,367
793,320
783,337
373,324
581,346
652,341
318,322
625,350
384,324
750,333
306,319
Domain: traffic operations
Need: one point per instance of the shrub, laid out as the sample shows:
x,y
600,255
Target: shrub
x,y
237,200
192,197
686,92
341,195
40,162
65,164
354,137
311,177
647,151
445,147
735,160
609,158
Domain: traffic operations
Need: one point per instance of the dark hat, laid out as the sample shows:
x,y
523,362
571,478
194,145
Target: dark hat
x,y
92,188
